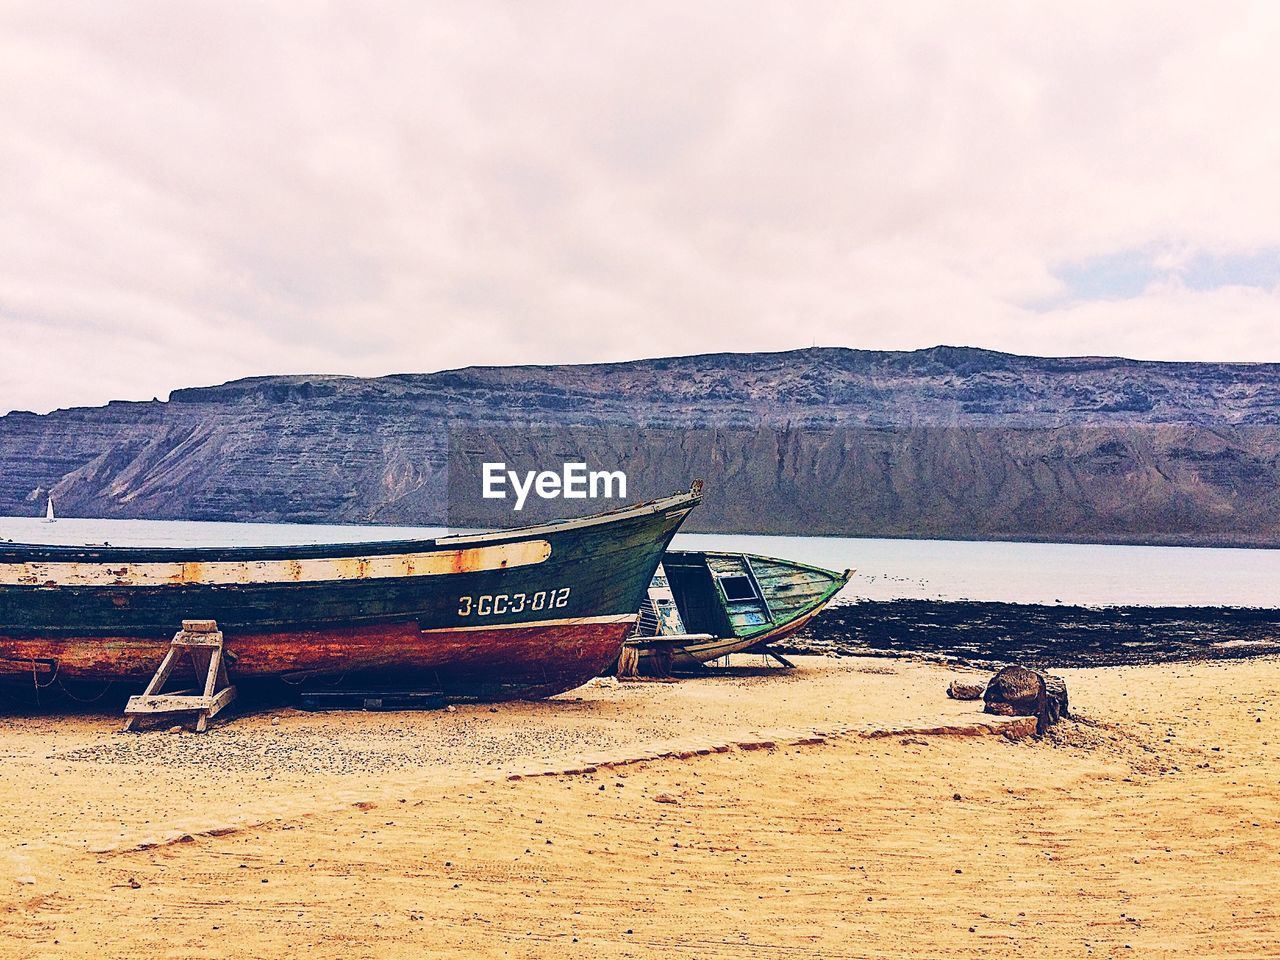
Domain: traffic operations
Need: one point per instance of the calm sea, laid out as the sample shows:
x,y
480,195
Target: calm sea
x,y
886,569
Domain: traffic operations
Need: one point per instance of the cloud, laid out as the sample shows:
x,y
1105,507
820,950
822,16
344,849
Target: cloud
x,y
195,192
1129,274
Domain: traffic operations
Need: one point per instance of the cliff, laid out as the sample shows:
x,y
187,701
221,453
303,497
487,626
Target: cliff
x,y
946,442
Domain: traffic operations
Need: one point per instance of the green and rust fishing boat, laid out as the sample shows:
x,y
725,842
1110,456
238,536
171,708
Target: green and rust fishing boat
x,y
703,605
520,613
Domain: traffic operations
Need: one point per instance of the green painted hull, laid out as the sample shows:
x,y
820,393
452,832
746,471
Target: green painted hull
x,y
733,603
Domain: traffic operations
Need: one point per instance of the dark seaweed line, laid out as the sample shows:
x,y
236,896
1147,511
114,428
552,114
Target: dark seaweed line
x,y
1041,635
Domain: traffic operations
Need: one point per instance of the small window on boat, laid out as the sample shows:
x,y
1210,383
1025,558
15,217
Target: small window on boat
x,y
738,587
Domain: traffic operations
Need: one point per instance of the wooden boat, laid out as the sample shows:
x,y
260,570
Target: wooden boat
x,y
703,605
519,613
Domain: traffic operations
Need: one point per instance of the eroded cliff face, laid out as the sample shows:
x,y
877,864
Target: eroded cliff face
x,y
948,442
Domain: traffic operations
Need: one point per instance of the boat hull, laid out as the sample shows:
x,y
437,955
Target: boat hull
x,y
520,614
690,656
783,597
484,663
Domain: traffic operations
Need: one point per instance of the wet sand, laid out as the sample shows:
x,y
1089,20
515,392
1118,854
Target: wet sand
x,y
1149,828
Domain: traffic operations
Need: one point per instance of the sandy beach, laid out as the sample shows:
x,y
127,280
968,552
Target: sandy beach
x,y
847,809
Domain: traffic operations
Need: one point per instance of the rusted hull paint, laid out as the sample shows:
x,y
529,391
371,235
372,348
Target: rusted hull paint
x,y
493,663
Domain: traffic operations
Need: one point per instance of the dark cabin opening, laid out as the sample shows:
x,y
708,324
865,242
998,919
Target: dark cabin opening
x,y
738,587
695,594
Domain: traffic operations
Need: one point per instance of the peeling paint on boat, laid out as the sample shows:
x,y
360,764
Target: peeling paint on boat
x,y
319,570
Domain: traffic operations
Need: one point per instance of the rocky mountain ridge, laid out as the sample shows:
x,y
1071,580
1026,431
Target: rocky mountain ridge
x,y
954,386
945,442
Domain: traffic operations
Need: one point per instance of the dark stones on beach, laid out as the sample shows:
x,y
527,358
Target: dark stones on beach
x,y
1016,692
1039,635
1019,692
959,690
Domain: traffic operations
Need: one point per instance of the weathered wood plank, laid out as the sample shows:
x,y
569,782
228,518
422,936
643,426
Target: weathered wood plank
x,y
197,640
216,703
167,703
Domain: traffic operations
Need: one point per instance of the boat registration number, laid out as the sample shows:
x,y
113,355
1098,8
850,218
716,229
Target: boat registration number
x,y
501,604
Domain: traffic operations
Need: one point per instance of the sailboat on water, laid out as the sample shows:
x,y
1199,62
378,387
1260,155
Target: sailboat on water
x,y
48,512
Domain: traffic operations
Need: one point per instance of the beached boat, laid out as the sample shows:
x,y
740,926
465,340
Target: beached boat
x,y
703,605
519,613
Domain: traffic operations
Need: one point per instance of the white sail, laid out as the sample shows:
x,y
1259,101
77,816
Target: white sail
x,y
48,512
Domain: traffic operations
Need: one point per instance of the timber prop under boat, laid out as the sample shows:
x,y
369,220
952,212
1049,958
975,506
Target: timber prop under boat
x,y
703,605
519,613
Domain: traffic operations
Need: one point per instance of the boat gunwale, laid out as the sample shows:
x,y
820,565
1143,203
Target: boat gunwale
x,y
813,568
14,552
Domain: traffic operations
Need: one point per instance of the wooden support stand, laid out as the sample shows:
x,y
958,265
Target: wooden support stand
x,y
661,654
202,641
628,662
769,653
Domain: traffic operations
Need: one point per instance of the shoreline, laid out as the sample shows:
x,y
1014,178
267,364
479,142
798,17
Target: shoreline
x,y
1039,635
967,634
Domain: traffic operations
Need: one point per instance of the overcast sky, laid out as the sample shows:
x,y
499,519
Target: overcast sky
x,y
193,192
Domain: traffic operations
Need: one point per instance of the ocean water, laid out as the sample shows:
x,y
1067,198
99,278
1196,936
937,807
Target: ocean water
x,y
1085,574
1001,571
